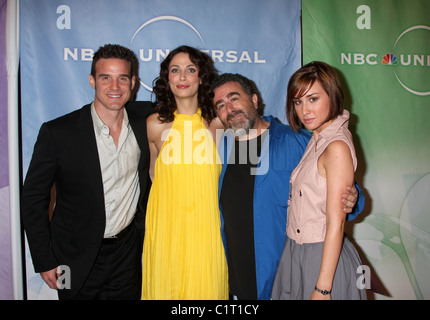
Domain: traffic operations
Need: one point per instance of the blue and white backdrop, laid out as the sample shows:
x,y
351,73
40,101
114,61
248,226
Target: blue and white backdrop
x,y
260,39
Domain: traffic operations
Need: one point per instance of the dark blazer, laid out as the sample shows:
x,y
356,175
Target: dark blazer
x,y
65,154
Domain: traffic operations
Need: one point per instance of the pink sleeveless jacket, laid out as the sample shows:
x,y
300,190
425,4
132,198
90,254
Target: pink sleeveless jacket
x,y
306,220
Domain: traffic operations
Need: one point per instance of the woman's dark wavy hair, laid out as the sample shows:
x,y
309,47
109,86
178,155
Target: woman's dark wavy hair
x,y
165,100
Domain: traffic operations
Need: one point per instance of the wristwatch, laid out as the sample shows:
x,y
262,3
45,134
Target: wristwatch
x,y
323,292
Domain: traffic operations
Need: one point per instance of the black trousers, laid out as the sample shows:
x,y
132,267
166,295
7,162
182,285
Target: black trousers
x,y
117,271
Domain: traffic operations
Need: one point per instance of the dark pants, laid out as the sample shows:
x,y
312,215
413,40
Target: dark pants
x,y
117,271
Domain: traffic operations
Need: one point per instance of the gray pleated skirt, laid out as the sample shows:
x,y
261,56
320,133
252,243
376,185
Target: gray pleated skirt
x,y
299,267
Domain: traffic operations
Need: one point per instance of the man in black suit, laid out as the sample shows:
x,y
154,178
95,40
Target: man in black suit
x,y
97,157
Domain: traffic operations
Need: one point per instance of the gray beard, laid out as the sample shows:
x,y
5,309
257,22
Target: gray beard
x,y
243,127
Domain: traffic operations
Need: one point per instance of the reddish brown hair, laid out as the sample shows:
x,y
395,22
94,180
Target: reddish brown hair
x,y
303,79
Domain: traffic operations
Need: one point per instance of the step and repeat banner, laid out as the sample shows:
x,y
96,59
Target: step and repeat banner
x,y
380,47
382,50
260,39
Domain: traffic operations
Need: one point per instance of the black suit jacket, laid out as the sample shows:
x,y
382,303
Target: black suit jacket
x,y
65,154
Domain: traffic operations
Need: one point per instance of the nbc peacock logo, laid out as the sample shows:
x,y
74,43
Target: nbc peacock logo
x,y
390,60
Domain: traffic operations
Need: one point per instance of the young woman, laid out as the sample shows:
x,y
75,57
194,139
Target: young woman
x,y
183,256
318,262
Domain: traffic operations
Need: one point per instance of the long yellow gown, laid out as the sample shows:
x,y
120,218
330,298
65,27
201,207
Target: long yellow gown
x,y
183,254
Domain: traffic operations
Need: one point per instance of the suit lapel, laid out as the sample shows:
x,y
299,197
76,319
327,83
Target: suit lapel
x,y
139,129
137,120
87,139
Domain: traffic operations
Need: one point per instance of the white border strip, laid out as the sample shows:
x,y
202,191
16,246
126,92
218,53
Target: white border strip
x,y
12,63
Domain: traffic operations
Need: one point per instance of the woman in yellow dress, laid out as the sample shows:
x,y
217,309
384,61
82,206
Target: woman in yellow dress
x,y
183,254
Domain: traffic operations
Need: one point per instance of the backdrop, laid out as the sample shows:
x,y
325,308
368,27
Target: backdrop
x,y
260,39
382,49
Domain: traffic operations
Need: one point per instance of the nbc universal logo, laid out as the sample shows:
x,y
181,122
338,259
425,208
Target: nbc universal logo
x,y
406,62
156,52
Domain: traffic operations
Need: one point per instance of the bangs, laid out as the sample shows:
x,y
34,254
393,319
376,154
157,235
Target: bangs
x,y
302,86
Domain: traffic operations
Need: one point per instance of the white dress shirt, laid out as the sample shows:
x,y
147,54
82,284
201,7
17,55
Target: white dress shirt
x,y
119,173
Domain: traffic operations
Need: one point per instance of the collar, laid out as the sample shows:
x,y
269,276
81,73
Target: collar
x,y
100,127
194,117
340,121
